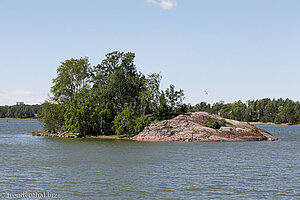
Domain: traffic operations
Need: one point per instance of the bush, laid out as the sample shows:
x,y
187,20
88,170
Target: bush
x,y
140,124
223,122
255,130
215,124
127,122
124,122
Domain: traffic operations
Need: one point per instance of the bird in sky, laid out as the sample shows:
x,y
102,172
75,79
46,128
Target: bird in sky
x,y
205,92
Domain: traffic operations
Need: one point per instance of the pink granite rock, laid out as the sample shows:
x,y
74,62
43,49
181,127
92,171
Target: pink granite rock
x,y
193,127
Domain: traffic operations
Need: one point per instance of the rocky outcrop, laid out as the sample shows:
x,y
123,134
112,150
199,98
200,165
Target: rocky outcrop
x,y
197,127
60,134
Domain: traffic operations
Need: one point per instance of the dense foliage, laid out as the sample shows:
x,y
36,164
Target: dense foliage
x,y
109,98
264,110
19,111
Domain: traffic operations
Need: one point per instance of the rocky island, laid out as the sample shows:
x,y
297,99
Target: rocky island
x,y
188,127
202,127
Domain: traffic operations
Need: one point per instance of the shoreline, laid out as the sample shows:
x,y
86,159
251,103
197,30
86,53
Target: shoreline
x,y
115,137
105,137
124,137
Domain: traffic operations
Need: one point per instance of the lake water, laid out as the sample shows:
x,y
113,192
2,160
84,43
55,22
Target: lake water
x,y
118,169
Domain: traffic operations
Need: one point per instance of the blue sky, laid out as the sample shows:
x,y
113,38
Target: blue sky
x,y
235,50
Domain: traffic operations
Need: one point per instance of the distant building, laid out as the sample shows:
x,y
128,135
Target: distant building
x,y
20,103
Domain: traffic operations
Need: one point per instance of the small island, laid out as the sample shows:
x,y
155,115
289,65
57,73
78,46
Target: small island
x,y
112,100
188,127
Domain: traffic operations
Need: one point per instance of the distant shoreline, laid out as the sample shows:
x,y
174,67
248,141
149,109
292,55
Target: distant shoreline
x,y
271,123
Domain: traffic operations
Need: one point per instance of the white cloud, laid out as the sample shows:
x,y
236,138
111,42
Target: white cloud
x,y
165,4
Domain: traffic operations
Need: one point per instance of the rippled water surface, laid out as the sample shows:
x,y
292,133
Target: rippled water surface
x,y
120,169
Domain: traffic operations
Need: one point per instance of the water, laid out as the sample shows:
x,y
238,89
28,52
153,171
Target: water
x,y
120,169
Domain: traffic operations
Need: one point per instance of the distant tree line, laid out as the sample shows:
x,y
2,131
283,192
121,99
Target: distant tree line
x,y
109,98
264,110
19,111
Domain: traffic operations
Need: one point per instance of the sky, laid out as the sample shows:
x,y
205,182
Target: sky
x,y
233,49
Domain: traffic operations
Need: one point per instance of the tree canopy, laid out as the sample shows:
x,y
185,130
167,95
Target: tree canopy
x,y
109,98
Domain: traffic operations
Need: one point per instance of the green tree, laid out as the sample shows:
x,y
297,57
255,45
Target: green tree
x,y
71,88
174,100
163,110
150,94
117,80
52,117
72,76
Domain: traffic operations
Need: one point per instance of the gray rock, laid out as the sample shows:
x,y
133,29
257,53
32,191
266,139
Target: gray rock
x,y
192,127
